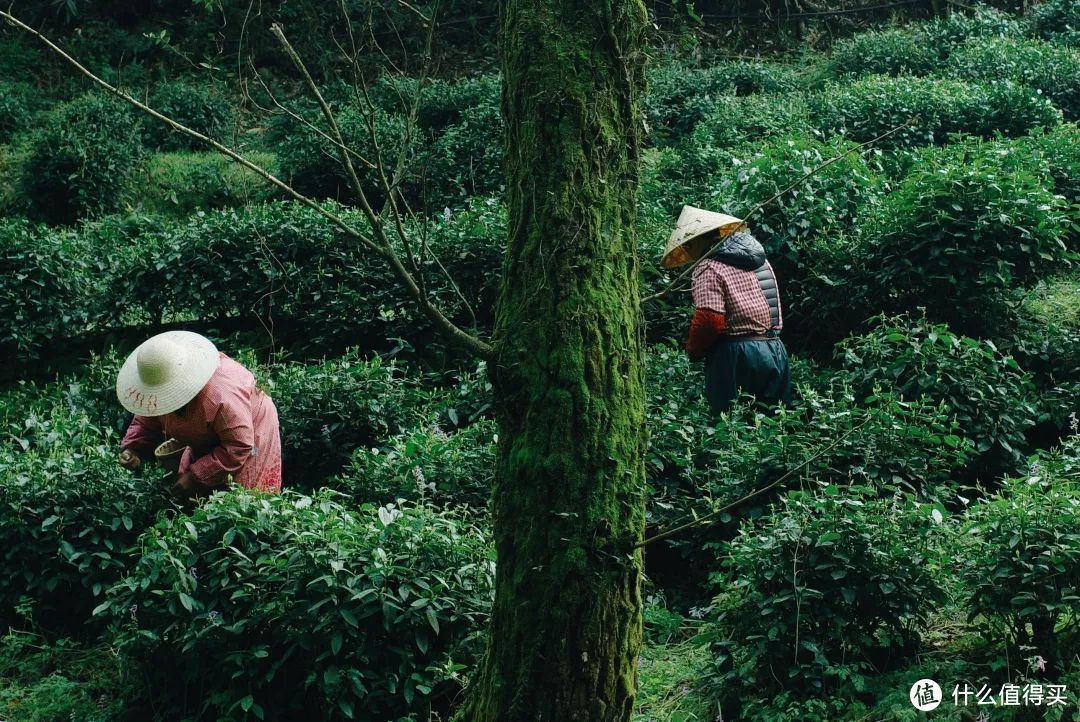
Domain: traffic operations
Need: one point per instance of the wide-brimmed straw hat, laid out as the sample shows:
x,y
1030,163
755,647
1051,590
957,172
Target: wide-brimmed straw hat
x,y
694,233
165,372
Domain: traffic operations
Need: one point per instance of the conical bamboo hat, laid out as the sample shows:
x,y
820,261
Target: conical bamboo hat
x,y
693,235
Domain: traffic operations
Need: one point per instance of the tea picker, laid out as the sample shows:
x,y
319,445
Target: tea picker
x,y
200,414
737,318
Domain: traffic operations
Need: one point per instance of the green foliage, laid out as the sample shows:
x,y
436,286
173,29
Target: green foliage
x,y
182,184
82,162
893,51
990,395
16,108
466,157
442,103
1021,555
44,680
829,589
1052,70
302,606
969,221
426,464
935,108
947,33
332,408
680,96
732,120
825,203
46,291
311,163
196,105
1056,20
68,512
1047,342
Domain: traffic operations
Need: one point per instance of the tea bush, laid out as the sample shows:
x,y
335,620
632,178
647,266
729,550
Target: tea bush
x,y
679,96
310,162
198,106
873,105
442,103
426,465
68,513
181,184
990,395
967,222
332,408
466,158
82,161
829,590
1057,21
732,120
16,108
1021,555
825,203
47,291
893,51
947,33
302,606
1052,70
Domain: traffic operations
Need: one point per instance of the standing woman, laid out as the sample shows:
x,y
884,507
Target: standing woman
x,y
179,386
737,317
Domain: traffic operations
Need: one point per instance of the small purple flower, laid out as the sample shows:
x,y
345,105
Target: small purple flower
x,y
213,615
133,609
194,572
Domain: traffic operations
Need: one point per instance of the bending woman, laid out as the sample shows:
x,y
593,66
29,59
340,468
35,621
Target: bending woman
x,y
179,386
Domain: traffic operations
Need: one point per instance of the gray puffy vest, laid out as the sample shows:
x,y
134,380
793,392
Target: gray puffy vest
x,y
742,250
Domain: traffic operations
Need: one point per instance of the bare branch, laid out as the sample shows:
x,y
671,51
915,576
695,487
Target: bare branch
x,y
470,343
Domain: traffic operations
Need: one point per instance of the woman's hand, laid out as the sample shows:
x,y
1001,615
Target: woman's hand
x,y
129,460
185,486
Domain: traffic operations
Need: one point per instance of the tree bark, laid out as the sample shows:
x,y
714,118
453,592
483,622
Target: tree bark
x,y
568,504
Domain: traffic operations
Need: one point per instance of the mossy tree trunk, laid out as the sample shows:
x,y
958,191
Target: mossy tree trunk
x,y
568,503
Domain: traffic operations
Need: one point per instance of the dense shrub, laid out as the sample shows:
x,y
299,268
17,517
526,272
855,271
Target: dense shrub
x,y
311,163
303,607
195,105
332,408
1047,343
1056,20
442,103
871,106
1052,70
1021,555
947,33
824,203
426,464
967,222
826,592
82,161
680,96
990,395
732,119
466,158
894,51
46,291
16,108
184,183
68,513
696,465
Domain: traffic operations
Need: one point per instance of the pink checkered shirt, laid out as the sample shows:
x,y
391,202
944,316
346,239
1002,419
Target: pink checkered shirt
x,y
736,294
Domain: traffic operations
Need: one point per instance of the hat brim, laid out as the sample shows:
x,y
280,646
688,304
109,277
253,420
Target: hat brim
x,y
198,364
696,246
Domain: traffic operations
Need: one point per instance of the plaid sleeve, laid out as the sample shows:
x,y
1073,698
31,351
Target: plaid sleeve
x,y
707,288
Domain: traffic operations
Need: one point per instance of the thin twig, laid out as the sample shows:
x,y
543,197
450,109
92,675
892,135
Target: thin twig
x,y
470,343
788,474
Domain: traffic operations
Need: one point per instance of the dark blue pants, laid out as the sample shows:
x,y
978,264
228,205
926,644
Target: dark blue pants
x,y
758,368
